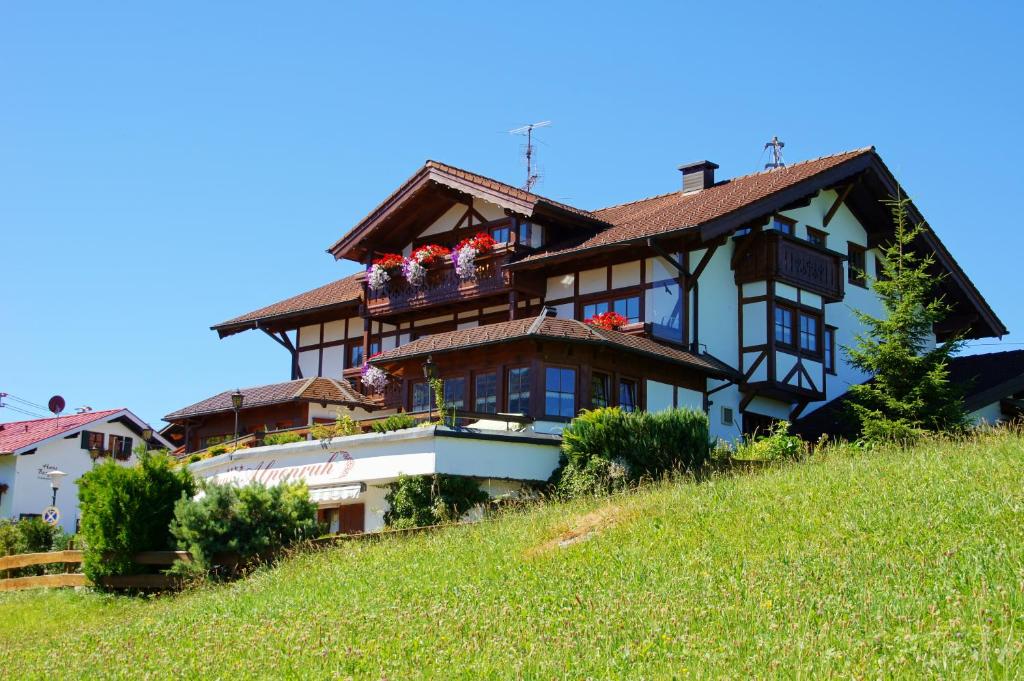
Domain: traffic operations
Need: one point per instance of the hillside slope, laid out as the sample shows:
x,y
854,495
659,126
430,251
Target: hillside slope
x,y
854,564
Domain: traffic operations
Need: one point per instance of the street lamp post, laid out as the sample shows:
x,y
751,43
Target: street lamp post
x,y
147,435
55,478
429,373
237,398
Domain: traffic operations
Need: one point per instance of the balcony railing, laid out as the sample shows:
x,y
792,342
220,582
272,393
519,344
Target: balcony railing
x,y
443,285
774,256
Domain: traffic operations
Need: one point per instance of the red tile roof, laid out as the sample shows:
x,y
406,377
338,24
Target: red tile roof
x,y
340,292
568,330
316,389
17,435
674,211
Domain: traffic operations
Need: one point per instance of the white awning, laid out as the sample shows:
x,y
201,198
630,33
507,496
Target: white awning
x,y
323,495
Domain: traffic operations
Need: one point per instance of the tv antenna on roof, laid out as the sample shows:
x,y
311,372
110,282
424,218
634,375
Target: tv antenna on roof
x,y
531,175
776,146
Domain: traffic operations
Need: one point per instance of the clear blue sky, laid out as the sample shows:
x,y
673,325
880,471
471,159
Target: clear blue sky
x,y
164,169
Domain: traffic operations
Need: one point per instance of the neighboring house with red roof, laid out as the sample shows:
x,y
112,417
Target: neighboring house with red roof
x,y
733,296
70,444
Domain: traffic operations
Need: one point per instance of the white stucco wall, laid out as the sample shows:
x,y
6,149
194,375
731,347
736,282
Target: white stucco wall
x,y
376,459
990,414
30,488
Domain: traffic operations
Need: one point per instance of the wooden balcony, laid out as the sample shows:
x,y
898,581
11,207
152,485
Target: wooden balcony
x,y
773,256
445,286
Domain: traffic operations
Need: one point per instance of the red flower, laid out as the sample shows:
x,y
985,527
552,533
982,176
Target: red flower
x,y
609,321
429,253
389,261
481,243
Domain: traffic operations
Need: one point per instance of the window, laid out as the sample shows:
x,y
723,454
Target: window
x,y
519,390
857,264
879,268
784,225
524,233
627,394
783,325
486,393
591,309
817,237
91,440
600,387
500,234
374,348
455,392
422,396
808,333
830,349
560,392
355,356
727,416
627,307
120,446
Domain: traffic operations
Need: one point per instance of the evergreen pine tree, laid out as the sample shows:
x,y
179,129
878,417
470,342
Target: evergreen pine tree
x,y
911,391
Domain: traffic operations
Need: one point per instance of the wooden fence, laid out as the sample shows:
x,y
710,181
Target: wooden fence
x,y
74,558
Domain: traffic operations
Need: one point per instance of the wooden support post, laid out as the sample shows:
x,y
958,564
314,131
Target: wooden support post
x,y
835,205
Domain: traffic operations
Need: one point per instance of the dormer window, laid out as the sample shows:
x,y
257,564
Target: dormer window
x,y
784,225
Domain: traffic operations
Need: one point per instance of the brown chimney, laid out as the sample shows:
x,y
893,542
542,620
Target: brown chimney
x,y
698,175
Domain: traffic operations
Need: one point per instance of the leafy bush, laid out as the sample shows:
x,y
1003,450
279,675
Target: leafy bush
x,y
422,500
607,448
217,449
343,426
282,438
247,523
394,422
777,445
126,510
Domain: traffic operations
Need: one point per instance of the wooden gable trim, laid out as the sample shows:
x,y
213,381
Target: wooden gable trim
x,y
836,204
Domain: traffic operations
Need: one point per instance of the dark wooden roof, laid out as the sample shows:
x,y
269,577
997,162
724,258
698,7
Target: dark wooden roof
x,y
567,330
318,389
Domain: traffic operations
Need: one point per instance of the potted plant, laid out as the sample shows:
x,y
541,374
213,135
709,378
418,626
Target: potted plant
x,y
609,321
382,269
415,266
374,378
464,255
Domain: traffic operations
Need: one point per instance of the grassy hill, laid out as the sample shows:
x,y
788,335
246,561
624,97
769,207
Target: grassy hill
x,y
855,564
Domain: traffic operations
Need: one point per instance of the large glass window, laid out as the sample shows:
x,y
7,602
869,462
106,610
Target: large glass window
x,y
519,390
560,392
808,333
422,396
783,325
455,392
355,355
486,393
665,309
600,387
627,394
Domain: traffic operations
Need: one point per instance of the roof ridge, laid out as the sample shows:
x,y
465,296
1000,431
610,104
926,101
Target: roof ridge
x,y
441,165
304,386
733,179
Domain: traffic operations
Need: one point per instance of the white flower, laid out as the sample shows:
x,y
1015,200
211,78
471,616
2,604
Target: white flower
x,y
374,378
463,259
415,273
377,278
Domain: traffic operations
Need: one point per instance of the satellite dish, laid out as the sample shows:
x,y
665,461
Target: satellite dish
x,y
56,405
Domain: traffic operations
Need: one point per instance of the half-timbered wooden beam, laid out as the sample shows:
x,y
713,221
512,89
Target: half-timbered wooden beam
x,y
656,247
835,204
708,254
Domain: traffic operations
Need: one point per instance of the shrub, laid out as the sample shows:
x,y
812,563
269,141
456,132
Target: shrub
x,y
128,510
422,500
248,523
876,429
608,448
777,445
394,422
343,426
282,438
217,449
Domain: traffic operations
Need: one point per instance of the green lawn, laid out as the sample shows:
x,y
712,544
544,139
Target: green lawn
x,y
863,565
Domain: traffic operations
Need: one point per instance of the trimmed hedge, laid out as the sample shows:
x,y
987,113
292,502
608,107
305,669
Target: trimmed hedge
x,y
608,448
422,500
